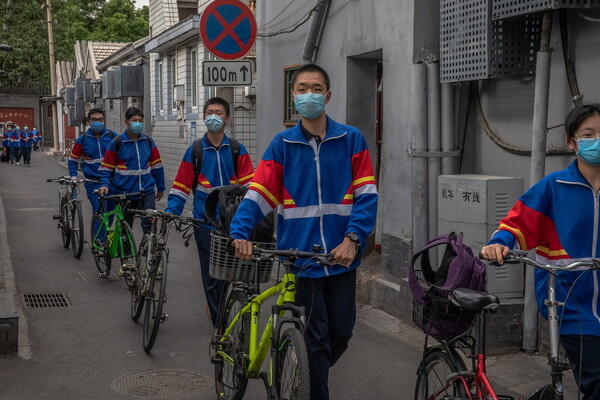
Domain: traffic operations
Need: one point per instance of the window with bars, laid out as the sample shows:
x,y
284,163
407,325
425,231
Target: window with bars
x,y
290,116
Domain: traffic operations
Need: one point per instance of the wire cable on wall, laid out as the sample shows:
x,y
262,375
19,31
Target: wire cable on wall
x,y
305,18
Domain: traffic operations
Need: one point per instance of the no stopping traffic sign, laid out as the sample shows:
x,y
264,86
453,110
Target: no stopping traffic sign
x,y
228,29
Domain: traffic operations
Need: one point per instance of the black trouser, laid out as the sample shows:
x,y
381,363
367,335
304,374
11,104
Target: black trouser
x,y
26,155
586,370
331,311
148,202
213,288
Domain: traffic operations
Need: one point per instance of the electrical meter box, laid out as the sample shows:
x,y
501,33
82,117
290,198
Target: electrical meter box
x,y
474,205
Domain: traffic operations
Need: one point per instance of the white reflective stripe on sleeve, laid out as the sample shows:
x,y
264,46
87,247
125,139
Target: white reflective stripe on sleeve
x,y
313,211
178,192
370,188
256,197
94,161
157,165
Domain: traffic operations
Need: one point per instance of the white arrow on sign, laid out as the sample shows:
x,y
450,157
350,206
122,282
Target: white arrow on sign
x,y
226,73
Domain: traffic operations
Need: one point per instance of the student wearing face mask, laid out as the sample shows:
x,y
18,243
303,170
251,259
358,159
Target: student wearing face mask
x,y
88,151
26,137
132,164
559,218
320,178
222,161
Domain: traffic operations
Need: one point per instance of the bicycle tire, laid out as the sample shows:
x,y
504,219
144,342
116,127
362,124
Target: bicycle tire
x,y
99,249
154,300
127,252
433,385
139,276
230,373
64,222
292,378
76,229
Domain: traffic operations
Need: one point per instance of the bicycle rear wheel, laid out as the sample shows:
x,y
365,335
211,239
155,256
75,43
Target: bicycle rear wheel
x,y
127,254
139,276
154,299
432,378
99,246
292,379
77,229
230,358
65,216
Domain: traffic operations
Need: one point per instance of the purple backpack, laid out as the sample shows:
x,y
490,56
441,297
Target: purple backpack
x,y
432,287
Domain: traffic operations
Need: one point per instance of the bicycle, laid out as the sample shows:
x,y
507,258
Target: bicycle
x,y
113,237
70,219
149,275
67,151
443,374
238,352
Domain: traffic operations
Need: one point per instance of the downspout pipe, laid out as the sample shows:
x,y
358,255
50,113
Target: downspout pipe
x,y
447,128
315,31
538,166
433,144
419,164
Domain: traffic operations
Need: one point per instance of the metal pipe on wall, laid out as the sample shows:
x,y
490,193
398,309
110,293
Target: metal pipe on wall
x,y
433,144
419,164
315,30
538,166
447,128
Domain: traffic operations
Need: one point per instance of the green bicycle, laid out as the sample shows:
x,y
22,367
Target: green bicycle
x,y
238,354
112,237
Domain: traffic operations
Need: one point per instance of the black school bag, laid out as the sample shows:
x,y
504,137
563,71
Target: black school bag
x,y
432,287
221,205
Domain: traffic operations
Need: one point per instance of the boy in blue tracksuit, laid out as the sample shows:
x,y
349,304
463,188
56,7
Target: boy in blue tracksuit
x,y
26,139
132,164
37,136
559,218
6,139
89,150
15,145
319,177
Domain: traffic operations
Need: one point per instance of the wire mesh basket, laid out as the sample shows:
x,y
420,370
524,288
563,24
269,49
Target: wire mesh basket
x,y
227,267
438,317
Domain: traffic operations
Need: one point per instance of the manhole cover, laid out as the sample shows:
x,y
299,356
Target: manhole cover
x,y
166,383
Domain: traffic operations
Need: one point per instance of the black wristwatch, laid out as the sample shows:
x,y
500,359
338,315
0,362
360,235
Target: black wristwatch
x,y
353,236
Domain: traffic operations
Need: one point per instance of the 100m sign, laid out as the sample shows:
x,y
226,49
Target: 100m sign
x,y
226,73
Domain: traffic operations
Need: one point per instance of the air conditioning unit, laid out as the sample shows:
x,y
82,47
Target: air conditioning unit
x,y
80,109
96,88
70,96
129,81
82,88
179,93
72,117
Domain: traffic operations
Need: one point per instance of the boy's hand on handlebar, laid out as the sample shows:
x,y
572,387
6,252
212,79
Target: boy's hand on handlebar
x,y
103,190
243,248
495,253
345,253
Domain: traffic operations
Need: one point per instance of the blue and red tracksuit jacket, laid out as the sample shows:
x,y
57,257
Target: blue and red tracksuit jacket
x,y
26,138
15,139
217,170
6,139
321,192
559,218
92,150
136,167
37,135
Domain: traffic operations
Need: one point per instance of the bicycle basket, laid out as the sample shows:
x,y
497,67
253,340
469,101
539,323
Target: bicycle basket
x,y
228,267
440,318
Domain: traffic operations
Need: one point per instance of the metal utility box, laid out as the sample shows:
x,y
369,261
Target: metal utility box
x,y
70,96
474,205
83,89
108,84
72,117
129,81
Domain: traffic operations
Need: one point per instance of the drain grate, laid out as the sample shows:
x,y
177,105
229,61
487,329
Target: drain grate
x,y
166,383
46,300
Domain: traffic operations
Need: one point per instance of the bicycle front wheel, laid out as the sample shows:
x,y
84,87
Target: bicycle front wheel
x,y
231,351
432,378
127,254
99,246
76,229
292,380
155,297
65,217
139,277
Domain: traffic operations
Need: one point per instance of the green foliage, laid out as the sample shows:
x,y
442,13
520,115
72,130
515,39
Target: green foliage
x,y
24,27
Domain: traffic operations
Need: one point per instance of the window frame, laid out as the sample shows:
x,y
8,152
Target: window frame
x,y
290,116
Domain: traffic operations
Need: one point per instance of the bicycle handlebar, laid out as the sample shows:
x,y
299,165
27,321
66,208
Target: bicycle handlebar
x,y
118,196
164,215
66,180
292,254
520,256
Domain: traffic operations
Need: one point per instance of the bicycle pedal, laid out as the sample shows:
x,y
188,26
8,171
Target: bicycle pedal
x,y
164,318
56,217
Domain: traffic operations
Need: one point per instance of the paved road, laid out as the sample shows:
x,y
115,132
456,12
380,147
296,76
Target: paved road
x,y
93,350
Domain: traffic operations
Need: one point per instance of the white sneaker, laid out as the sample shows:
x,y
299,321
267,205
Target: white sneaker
x,y
18,163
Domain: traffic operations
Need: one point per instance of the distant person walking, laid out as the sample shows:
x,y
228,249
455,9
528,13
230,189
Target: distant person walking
x,y
26,139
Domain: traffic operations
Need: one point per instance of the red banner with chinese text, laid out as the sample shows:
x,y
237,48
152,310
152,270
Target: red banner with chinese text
x,y
20,116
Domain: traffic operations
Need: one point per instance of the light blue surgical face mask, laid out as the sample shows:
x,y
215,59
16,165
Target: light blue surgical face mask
x,y
589,151
96,126
136,127
310,105
214,123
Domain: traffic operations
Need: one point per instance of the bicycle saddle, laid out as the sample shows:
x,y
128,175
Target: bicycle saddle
x,y
473,300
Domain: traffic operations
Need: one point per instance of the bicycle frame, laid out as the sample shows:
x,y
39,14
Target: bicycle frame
x,y
258,350
113,230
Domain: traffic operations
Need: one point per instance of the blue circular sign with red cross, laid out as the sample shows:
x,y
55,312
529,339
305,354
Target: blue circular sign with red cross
x,y
228,29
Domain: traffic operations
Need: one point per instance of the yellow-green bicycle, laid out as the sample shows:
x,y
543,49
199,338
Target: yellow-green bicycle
x,y
238,354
